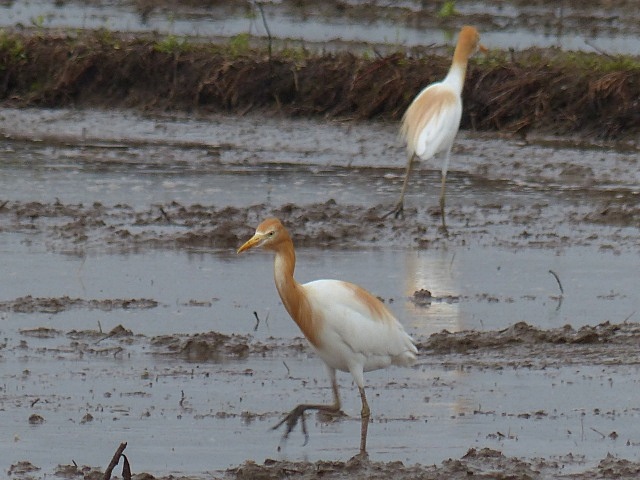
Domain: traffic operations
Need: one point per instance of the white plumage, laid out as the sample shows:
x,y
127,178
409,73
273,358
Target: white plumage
x,y
350,329
430,124
353,337
441,120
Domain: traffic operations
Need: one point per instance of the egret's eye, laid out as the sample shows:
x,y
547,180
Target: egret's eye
x,y
271,233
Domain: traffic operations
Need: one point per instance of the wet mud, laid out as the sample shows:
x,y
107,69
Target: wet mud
x,y
484,463
139,322
78,228
518,347
127,317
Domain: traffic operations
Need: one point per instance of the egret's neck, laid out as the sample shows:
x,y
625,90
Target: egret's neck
x,y
455,77
292,293
283,267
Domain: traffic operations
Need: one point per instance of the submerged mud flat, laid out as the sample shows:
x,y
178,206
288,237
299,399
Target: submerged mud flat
x,y
126,314
207,182
179,384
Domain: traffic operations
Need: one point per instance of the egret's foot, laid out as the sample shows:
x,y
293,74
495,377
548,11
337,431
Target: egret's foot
x,y
291,420
359,459
397,212
330,416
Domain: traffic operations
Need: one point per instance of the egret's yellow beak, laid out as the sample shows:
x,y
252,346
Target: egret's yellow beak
x,y
252,242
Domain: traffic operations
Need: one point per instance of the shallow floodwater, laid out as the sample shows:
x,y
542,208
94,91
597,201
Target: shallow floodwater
x,y
369,26
195,416
480,292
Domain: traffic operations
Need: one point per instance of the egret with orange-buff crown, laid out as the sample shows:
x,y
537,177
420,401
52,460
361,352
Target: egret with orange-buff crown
x,y
431,122
350,329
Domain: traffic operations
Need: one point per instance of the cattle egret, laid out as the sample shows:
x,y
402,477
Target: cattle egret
x,y
431,122
350,329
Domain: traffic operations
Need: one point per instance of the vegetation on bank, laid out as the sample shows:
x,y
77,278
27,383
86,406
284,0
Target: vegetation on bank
x,y
548,91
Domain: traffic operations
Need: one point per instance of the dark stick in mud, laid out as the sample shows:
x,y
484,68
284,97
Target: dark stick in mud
x,y
108,335
555,275
165,215
266,27
114,461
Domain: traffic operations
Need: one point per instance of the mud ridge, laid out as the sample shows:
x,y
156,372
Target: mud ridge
x,y
485,463
477,463
78,228
520,345
542,90
522,333
31,304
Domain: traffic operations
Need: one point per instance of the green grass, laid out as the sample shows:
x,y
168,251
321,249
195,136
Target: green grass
x,y
172,44
448,9
580,61
12,46
597,62
239,44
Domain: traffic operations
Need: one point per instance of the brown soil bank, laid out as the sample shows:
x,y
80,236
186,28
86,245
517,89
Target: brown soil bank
x,y
543,90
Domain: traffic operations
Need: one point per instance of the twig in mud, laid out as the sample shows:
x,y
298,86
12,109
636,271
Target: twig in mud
x,y
108,335
287,367
599,433
629,316
165,215
35,401
108,350
560,299
266,27
126,468
182,399
266,320
555,275
597,49
99,326
114,461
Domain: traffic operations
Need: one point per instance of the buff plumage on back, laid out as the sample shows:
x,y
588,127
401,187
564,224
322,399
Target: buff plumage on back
x,y
350,329
430,123
355,321
324,305
430,117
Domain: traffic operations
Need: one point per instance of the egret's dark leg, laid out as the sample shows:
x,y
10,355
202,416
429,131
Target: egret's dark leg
x,y
297,414
398,210
445,168
444,224
365,415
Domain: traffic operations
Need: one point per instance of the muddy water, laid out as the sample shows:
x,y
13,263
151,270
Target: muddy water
x,y
516,212
354,26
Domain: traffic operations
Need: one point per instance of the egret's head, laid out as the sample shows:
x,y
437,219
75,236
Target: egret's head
x,y
268,235
469,41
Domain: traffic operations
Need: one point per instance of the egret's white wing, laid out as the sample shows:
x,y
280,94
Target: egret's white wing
x,y
357,328
431,122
